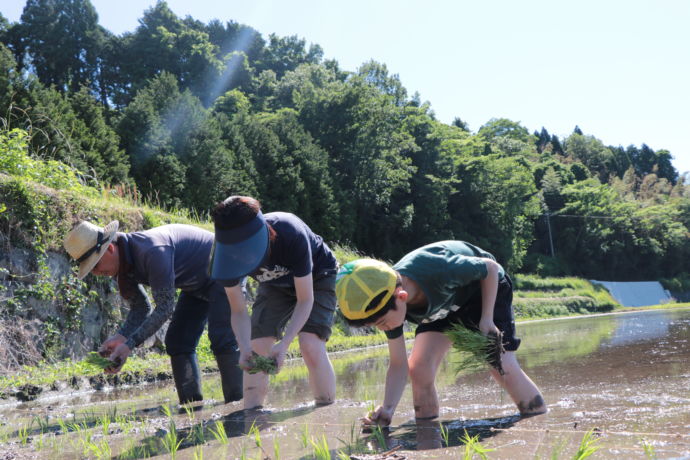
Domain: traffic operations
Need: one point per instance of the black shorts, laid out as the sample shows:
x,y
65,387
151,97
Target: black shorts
x,y
274,305
470,314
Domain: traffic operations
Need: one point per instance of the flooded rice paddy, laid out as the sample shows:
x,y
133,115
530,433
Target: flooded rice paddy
x,y
624,376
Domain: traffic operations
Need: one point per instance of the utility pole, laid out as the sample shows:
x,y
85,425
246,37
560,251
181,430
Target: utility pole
x,y
548,225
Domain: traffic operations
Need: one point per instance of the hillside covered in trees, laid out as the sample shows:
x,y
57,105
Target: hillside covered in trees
x,y
182,114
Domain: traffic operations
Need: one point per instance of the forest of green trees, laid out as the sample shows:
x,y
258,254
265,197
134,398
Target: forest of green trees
x,y
184,113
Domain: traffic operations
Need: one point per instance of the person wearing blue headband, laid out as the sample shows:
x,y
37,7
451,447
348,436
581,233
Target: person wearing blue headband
x,y
296,272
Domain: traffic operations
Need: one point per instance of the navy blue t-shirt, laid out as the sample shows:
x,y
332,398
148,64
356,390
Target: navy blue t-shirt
x,y
296,252
165,258
170,256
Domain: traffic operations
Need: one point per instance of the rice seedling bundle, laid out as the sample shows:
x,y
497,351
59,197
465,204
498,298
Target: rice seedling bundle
x,y
476,349
258,363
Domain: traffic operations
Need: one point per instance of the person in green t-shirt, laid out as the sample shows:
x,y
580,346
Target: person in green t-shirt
x,y
436,287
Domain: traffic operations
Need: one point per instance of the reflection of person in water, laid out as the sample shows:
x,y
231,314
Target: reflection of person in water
x,y
435,286
429,435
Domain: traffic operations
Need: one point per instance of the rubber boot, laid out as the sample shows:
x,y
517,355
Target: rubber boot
x,y
185,369
230,376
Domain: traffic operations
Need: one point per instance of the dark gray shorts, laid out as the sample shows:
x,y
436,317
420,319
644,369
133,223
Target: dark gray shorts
x,y
470,314
274,305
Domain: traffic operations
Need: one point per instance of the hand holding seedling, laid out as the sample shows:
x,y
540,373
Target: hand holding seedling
x,y
379,416
258,363
118,356
487,327
95,359
476,348
111,343
278,353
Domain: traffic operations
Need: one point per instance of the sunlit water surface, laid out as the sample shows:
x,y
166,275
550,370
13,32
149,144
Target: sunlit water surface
x,y
625,376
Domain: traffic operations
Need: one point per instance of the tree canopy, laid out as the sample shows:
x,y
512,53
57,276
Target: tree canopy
x,y
188,113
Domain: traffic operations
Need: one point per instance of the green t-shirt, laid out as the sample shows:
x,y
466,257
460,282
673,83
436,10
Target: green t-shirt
x,y
448,272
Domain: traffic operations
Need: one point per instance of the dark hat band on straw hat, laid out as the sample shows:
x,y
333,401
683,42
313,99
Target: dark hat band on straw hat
x,y
99,243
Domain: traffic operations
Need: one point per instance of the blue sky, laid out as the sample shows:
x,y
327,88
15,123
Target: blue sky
x,y
618,69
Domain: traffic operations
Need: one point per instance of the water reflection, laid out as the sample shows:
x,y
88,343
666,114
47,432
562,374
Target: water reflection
x,y
435,434
641,327
626,375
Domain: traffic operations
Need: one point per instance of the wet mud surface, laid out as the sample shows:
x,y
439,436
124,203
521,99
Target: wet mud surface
x,y
625,376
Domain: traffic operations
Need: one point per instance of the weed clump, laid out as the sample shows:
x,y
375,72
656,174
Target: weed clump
x,y
476,349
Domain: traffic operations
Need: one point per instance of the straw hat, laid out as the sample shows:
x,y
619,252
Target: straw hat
x,y
87,243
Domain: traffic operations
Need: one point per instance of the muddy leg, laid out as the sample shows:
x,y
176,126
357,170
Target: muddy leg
x,y
256,385
522,390
427,353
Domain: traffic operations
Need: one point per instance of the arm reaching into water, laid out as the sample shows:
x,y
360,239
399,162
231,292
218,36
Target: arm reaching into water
x,y
396,379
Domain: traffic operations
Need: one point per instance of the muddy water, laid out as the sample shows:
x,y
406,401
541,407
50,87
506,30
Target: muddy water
x,y
625,376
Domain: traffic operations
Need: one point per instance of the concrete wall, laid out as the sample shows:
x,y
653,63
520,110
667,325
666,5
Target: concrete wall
x,y
637,293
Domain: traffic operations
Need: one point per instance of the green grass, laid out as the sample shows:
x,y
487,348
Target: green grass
x,y
46,374
536,297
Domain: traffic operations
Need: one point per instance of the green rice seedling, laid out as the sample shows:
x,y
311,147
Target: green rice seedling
x,y
321,449
166,411
136,451
476,349
76,427
42,423
648,450
276,449
304,436
473,446
96,360
125,424
63,426
254,431
371,407
557,449
377,433
39,443
343,456
171,441
100,450
219,432
4,436
444,433
355,444
198,453
189,410
105,424
259,363
196,434
23,434
588,446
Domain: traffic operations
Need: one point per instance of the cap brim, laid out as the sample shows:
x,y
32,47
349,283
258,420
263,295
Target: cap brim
x,y
109,232
231,261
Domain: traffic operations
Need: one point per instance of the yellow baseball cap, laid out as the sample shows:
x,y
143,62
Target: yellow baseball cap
x,y
359,282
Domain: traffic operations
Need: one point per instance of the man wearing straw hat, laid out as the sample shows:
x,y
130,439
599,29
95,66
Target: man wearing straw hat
x,y
165,258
